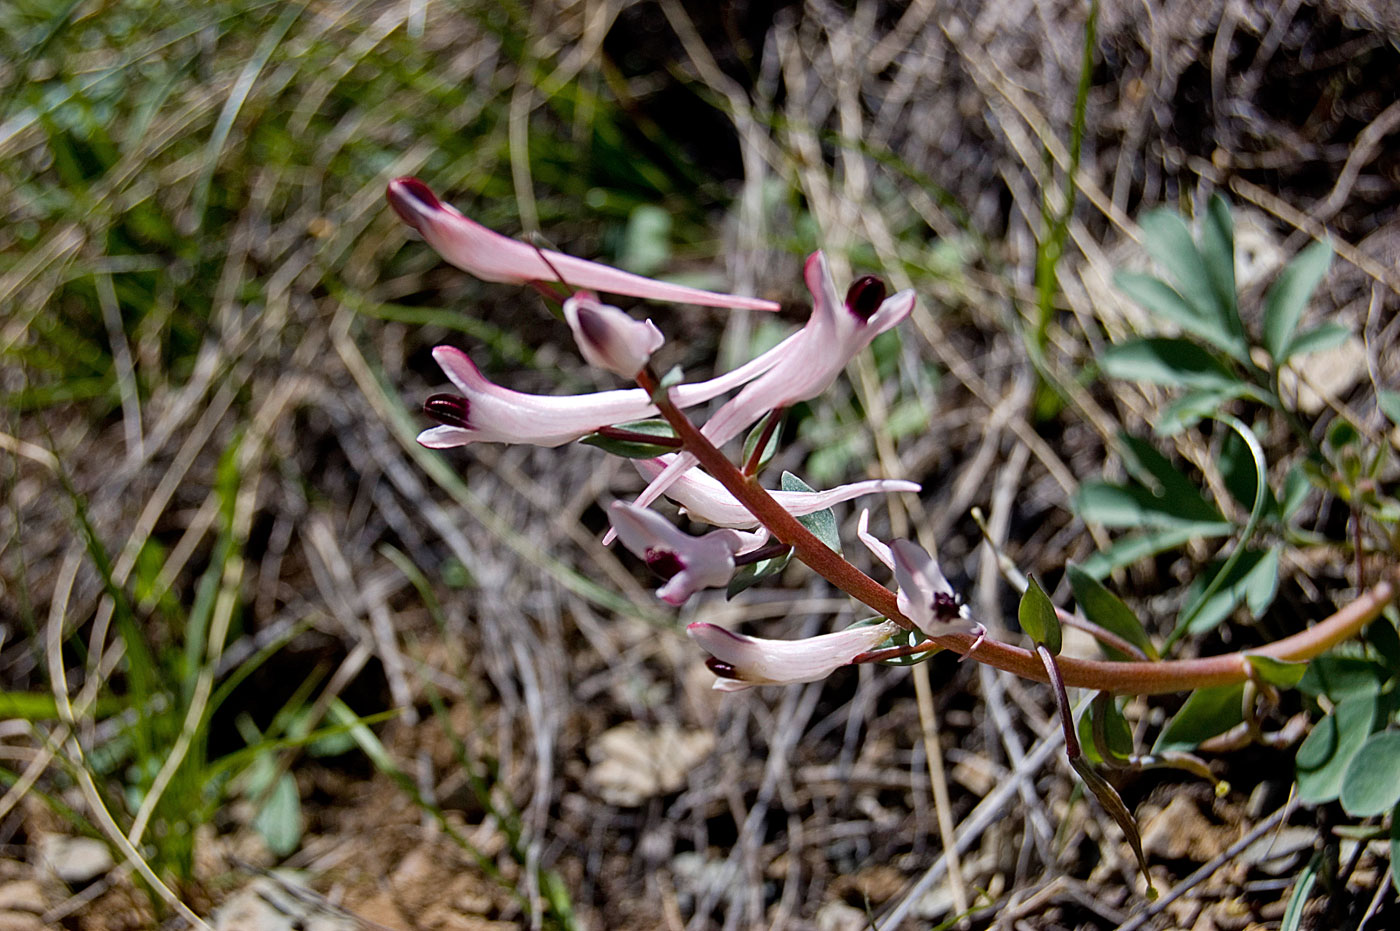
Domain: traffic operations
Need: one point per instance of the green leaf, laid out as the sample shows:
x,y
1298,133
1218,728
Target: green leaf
x,y
1207,712
770,448
1278,672
1154,470
1117,734
1038,618
1341,677
1389,402
1158,297
1302,889
1135,547
1325,754
1253,580
1168,240
1193,407
1289,296
1382,637
1108,611
1370,786
1240,472
821,523
1176,363
753,573
646,243
1135,506
279,820
1319,338
1295,491
634,449
1218,252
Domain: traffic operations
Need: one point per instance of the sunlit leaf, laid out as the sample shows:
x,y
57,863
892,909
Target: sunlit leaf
x,y
1289,296
1177,363
1320,338
1038,618
1108,611
1252,580
1325,754
821,523
1277,672
1207,712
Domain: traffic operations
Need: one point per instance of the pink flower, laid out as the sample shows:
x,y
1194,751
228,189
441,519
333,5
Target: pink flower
x,y
811,359
705,499
488,413
688,563
608,338
925,596
740,662
492,257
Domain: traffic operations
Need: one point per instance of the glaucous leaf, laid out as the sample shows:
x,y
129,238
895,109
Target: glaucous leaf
x,y
1325,754
1207,712
1289,296
1370,786
1108,611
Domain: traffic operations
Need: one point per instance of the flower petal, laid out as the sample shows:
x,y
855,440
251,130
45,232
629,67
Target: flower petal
x,y
705,499
492,257
697,562
925,597
758,661
812,360
500,415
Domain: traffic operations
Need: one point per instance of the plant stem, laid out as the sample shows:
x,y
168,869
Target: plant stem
x,y
1135,678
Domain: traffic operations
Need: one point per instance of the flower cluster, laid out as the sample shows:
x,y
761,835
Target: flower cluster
x,y
799,368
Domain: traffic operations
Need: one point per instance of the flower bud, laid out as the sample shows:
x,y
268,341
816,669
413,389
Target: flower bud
x,y
608,338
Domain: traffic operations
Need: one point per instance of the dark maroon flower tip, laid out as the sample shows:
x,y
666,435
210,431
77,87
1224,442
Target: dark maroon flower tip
x,y
663,562
449,410
945,607
720,668
411,199
865,295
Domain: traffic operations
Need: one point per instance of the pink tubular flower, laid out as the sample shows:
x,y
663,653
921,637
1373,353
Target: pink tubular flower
x,y
705,499
688,563
811,359
925,596
608,338
740,662
492,257
485,412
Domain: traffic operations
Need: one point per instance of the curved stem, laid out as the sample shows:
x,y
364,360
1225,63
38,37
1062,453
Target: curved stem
x,y
1135,678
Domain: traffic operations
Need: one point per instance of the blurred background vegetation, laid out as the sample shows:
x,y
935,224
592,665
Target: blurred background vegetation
x,y
249,623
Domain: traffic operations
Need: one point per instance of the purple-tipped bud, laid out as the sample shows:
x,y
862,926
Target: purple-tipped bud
x,y
608,338
412,200
739,661
865,295
687,563
449,410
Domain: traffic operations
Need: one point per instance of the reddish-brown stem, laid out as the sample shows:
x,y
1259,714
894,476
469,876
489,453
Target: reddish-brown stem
x,y
756,457
1052,670
1136,678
